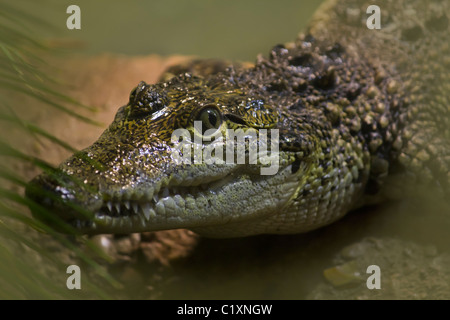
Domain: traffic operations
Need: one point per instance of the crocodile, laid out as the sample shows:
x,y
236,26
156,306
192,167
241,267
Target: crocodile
x,y
362,116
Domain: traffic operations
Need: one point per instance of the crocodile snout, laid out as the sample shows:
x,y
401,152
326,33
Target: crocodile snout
x,y
58,200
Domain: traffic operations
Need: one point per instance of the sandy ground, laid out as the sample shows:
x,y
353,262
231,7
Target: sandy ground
x,y
330,263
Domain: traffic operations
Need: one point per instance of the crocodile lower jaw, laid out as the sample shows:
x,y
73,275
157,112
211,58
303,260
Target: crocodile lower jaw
x,y
167,207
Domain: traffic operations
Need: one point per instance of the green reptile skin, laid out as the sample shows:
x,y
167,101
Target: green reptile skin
x,y
363,116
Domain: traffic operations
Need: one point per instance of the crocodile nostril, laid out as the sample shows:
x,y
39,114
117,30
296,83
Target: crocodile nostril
x,y
60,201
53,199
39,190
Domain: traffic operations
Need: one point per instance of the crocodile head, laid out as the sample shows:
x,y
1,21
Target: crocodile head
x,y
136,177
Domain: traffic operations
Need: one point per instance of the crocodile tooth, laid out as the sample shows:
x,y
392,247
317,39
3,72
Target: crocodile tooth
x,y
107,220
117,205
113,222
146,210
109,205
157,187
165,192
142,220
135,207
148,193
127,204
155,198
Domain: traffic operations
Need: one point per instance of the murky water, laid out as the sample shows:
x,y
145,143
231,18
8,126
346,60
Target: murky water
x,y
291,267
213,29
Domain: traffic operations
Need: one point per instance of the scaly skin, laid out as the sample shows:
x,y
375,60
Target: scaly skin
x,y
363,115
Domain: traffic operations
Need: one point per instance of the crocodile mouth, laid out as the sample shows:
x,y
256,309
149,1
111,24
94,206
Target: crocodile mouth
x,y
171,205
132,211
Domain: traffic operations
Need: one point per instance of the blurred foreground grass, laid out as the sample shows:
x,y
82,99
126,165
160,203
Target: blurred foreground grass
x,y
34,258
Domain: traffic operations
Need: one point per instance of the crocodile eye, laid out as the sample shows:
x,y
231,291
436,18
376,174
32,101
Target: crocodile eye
x,y
210,118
